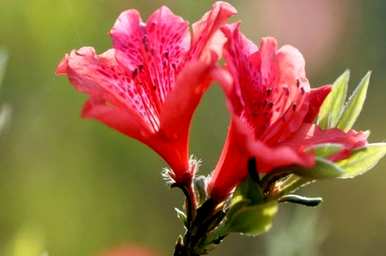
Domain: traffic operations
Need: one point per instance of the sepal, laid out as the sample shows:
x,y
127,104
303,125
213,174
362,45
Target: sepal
x,y
335,112
354,105
248,191
333,105
362,160
326,149
253,220
249,212
303,200
323,169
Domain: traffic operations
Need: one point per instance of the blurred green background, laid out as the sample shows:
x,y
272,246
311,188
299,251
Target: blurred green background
x,y
73,187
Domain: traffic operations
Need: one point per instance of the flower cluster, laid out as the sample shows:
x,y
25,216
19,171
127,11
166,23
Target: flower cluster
x,y
282,134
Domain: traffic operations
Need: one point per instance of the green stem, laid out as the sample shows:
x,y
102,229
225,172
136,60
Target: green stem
x,y
207,217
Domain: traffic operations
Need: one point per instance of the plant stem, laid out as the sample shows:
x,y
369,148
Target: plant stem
x,y
190,202
204,220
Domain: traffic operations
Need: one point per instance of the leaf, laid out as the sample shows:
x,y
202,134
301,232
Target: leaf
x,y
326,149
355,104
253,220
362,160
323,169
249,190
303,200
332,106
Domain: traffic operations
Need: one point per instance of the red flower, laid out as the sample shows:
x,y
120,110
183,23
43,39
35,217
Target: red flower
x,y
150,83
272,109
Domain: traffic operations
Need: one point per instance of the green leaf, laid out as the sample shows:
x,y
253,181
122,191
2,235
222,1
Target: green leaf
x,y
332,106
303,200
323,169
253,220
354,104
362,160
326,149
249,190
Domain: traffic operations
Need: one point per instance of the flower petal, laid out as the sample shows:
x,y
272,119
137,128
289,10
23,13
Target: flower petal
x,y
310,135
264,60
206,36
291,64
316,98
237,51
113,117
232,167
127,34
155,51
102,77
351,139
174,152
290,79
269,158
178,108
166,42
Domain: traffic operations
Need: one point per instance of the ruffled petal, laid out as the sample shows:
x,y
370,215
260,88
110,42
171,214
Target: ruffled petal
x,y
264,60
102,78
155,52
206,35
291,65
237,41
310,135
127,34
292,90
237,52
166,44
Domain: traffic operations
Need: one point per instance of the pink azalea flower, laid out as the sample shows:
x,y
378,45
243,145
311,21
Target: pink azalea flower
x,y
150,83
273,109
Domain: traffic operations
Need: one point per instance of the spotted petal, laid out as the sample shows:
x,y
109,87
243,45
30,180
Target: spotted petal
x,y
155,52
105,81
